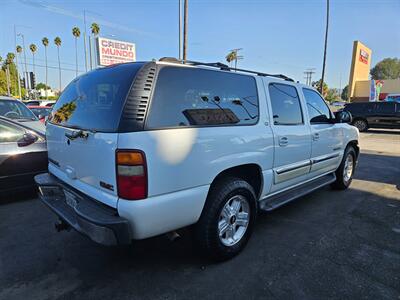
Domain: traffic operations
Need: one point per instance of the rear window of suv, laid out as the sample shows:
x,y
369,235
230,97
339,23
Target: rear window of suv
x,y
94,101
199,97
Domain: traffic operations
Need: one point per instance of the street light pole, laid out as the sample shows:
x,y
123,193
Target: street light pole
x,y
185,30
321,88
24,51
180,29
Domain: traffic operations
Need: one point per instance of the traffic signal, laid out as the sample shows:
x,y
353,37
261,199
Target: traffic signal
x,y
23,83
33,80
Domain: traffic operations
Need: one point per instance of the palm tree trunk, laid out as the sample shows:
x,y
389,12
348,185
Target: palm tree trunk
x,y
90,52
33,61
8,80
59,67
76,56
326,44
45,55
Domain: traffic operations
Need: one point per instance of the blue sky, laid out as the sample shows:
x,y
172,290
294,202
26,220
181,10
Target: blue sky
x,y
283,36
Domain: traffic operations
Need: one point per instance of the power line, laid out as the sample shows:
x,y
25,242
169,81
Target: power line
x,y
309,72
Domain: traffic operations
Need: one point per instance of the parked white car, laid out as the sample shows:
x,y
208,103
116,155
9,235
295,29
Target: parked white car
x,y
141,149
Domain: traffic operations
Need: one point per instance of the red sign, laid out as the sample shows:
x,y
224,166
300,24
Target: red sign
x,y
364,56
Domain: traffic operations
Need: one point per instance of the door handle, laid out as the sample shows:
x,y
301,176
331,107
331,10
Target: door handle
x,y
283,141
315,136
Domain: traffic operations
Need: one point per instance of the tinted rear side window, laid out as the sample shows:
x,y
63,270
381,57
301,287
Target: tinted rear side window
x,y
386,108
285,103
198,97
95,100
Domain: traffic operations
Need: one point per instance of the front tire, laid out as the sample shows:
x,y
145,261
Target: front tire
x,y
345,172
227,220
361,124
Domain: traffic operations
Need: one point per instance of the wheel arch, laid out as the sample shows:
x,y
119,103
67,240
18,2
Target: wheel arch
x,y
354,144
251,173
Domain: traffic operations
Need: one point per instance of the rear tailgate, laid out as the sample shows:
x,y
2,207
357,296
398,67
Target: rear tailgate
x,y
87,164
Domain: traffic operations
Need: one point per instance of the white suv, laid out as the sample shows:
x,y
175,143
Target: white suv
x,y
141,149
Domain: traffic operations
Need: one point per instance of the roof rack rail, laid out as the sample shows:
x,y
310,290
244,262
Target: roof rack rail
x,y
223,67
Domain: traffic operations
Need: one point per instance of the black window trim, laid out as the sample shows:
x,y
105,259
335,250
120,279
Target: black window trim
x,y
330,112
298,96
159,67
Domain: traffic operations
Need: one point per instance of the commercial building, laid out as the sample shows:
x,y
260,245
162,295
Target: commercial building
x,y
361,87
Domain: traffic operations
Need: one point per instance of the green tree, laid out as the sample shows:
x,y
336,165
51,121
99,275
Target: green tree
x,y
10,72
33,49
57,42
332,95
388,68
317,85
45,42
42,86
345,93
76,33
3,80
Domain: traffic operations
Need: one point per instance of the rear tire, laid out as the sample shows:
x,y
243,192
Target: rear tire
x,y
361,124
227,220
345,172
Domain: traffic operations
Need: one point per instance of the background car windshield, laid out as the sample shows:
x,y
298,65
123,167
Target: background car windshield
x,y
41,111
94,101
15,110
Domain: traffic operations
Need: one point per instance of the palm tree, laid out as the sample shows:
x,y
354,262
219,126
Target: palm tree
x,y
33,48
231,57
95,28
57,42
9,60
45,42
76,33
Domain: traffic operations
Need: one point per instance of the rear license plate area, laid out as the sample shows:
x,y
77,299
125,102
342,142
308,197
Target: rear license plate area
x,y
70,199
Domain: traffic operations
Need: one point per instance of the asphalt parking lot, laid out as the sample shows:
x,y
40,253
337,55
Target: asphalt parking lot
x,y
343,245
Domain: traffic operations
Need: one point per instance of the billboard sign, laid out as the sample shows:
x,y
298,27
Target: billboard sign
x,y
110,52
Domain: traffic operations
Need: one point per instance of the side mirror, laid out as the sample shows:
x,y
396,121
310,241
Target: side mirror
x,y
343,116
27,139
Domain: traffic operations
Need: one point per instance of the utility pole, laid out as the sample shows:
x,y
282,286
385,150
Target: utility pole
x,y
308,76
185,30
16,62
326,44
180,28
237,57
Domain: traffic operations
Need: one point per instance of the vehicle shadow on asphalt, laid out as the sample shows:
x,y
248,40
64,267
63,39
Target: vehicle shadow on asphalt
x,y
383,131
380,168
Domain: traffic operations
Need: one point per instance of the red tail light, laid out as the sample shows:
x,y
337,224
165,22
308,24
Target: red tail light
x,y
131,174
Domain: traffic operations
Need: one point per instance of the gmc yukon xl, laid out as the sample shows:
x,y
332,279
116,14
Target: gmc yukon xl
x,y
141,149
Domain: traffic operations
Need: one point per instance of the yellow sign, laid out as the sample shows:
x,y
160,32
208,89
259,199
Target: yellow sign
x,y
360,65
